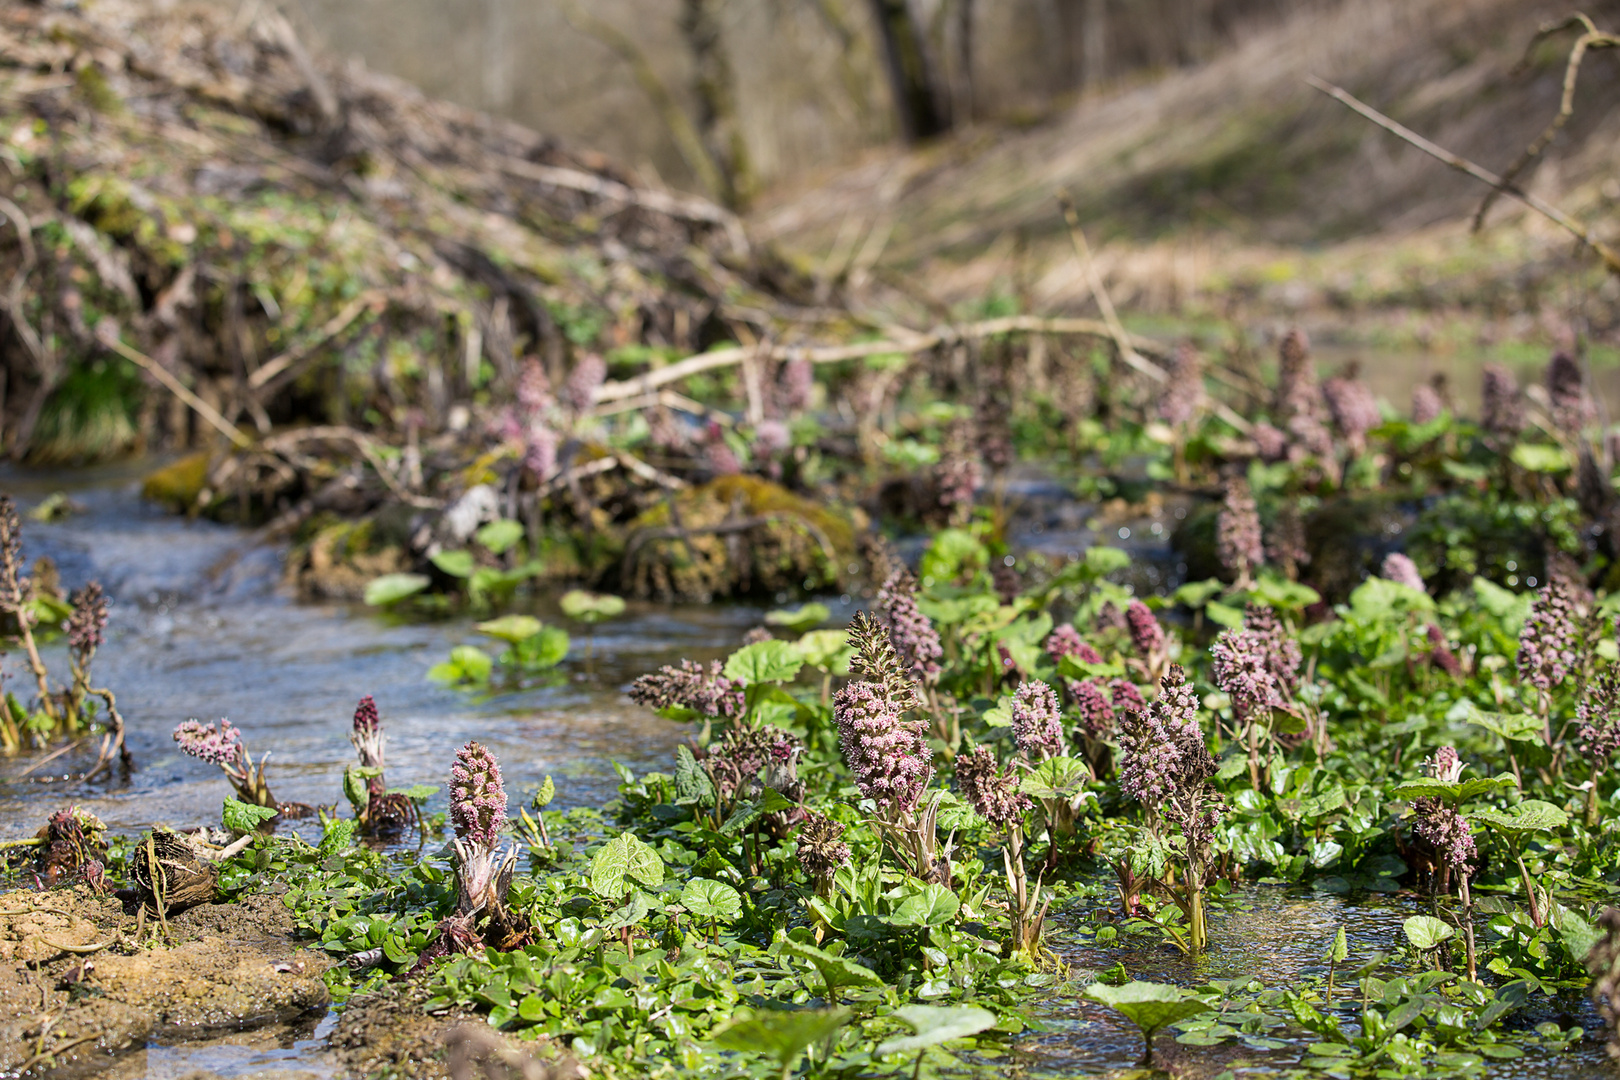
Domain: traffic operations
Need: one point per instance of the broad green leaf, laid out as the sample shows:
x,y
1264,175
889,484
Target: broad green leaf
x,y
1579,935
826,650
1339,951
935,905
458,564
354,788
621,860
1224,615
1521,726
543,797
467,664
835,971
1195,594
1071,667
953,552
693,785
1056,778
1150,1006
498,536
590,607
1530,816
1426,932
1458,793
934,1025
540,652
244,817
416,792
1102,561
764,662
799,619
1376,600
783,1034
710,899
1540,458
1285,595
511,628
392,588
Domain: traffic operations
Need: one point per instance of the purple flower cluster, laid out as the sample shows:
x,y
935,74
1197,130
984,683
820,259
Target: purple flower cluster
x,y
1147,636
366,718
1162,747
1270,443
533,389
1092,706
1037,721
579,390
887,753
1440,654
1599,716
529,425
719,457
1109,617
739,762
690,686
1183,396
665,432
1354,409
1502,406
1402,571
993,793
1065,640
822,848
1238,541
771,437
1427,404
87,625
1283,656
1547,643
913,633
367,736
1446,766
1446,831
1298,404
958,474
477,798
216,744
1125,695
1572,407
1240,663
795,386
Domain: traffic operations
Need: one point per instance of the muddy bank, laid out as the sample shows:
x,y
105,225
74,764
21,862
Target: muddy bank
x,y
76,987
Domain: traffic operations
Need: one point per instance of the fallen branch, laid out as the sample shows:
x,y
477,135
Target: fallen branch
x,y
1116,329
1593,38
178,389
1611,260
334,326
832,354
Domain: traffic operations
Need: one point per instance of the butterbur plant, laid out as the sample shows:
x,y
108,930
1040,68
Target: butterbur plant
x,y
379,812
1447,832
221,744
1166,766
1599,733
477,812
995,795
692,691
1239,543
1148,639
1548,649
888,753
822,850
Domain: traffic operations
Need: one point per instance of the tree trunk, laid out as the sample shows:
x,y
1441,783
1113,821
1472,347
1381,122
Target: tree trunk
x,y
714,86
1093,42
963,81
919,99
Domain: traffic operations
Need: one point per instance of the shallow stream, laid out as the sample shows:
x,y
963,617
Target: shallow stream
x,y
202,627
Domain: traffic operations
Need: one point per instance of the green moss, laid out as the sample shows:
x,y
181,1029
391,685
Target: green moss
x,y
177,486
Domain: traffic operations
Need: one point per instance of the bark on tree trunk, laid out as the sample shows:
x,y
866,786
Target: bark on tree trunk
x,y
714,85
1093,42
919,98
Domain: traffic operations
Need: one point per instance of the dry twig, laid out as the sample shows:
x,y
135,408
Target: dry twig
x,y
1611,259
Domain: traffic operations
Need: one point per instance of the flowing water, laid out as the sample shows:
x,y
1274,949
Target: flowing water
x,y
202,627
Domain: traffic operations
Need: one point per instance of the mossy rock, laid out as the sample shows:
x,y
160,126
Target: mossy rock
x,y
736,536
340,557
177,486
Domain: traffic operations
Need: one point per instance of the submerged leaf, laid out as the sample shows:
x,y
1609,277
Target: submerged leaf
x,y
934,1025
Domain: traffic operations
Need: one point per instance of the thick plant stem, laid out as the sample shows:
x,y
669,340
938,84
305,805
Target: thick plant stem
x,y
1198,939
1529,890
1468,926
1592,801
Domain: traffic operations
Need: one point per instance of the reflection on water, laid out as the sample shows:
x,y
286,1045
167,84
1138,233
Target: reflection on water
x,y
201,628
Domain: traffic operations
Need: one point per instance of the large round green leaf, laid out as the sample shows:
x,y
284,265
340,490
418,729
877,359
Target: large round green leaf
x,y
1530,816
458,564
498,536
1426,932
934,1025
764,662
621,860
804,617
590,607
511,628
392,588
1150,1006
783,1034
710,899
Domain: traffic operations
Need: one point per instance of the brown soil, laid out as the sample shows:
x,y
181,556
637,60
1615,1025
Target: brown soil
x,y
65,1013
387,1032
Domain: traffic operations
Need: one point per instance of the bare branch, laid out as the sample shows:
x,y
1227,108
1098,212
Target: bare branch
x,y
1611,260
